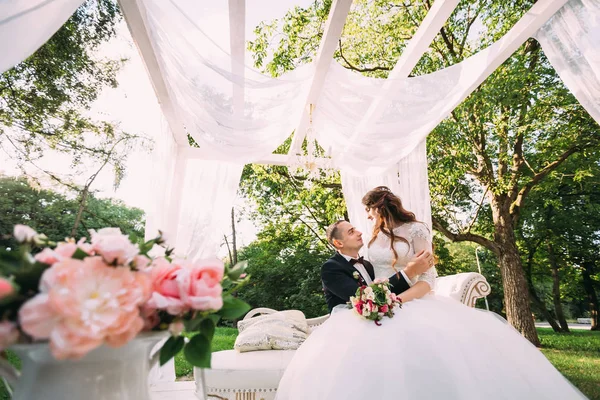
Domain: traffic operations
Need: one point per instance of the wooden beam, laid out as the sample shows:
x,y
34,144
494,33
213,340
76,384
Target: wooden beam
x,y
333,30
431,25
135,16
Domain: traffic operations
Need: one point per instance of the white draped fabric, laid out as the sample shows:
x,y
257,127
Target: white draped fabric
x,y
238,115
404,179
571,41
207,195
202,84
26,25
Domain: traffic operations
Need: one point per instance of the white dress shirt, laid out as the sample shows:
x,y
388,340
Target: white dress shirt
x,y
360,268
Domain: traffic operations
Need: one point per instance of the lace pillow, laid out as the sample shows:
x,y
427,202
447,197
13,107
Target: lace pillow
x,y
283,330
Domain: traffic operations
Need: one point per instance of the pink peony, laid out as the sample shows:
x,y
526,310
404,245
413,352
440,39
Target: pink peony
x,y
9,334
68,248
141,262
200,285
165,289
113,246
6,288
48,256
84,303
150,317
24,233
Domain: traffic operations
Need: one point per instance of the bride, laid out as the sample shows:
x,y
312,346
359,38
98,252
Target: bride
x,y
433,347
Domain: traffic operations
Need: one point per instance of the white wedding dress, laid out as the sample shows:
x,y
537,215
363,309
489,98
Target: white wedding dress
x,y
433,348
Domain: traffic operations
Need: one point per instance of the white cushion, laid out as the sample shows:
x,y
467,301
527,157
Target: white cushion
x,y
283,330
252,370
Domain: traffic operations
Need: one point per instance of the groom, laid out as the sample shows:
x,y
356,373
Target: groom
x,y
345,271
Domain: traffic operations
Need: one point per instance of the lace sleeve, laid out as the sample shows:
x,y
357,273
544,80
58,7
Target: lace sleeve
x,y
420,238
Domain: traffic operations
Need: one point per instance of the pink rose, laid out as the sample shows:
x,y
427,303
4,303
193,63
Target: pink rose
x,y
384,308
9,334
200,285
24,234
47,256
67,249
165,289
113,246
359,307
6,288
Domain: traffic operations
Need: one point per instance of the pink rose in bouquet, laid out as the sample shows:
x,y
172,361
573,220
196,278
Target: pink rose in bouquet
x,y
375,301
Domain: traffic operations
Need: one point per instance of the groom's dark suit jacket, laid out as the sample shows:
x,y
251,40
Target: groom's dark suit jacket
x,y
339,283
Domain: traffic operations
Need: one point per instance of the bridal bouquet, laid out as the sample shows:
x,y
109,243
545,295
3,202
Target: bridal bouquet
x,y
78,295
375,301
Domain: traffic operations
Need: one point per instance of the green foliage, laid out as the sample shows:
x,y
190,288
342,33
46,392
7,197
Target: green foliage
x,y
564,217
45,98
54,214
285,264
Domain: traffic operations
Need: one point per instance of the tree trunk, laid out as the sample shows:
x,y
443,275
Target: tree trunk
x,y
588,284
233,240
80,210
539,304
556,290
516,293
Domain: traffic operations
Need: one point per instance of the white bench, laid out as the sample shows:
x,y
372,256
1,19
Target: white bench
x,y
255,375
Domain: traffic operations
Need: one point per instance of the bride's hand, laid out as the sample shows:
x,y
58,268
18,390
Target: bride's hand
x,y
421,263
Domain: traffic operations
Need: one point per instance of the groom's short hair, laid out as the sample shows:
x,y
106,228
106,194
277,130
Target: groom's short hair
x,y
333,232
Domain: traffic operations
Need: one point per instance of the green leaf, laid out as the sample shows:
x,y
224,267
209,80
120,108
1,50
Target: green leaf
x,y
207,328
197,351
237,270
215,318
79,254
233,308
171,348
193,324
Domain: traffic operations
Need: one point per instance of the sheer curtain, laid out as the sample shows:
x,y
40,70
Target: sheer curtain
x,y
571,41
407,179
414,106
233,112
26,25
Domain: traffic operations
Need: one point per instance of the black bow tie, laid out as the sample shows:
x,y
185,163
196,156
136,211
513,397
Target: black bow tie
x,y
359,261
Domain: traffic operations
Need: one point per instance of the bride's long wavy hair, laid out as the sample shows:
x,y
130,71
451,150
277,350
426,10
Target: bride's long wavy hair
x,y
390,212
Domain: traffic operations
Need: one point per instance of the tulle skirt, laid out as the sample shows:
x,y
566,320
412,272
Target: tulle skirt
x,y
433,348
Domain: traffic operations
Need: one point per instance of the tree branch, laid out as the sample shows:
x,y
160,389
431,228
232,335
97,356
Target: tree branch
x,y
352,67
465,237
515,207
478,209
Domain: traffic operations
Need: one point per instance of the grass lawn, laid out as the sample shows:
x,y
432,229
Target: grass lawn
x,y
576,355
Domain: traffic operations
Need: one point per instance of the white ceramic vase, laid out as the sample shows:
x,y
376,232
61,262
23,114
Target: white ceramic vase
x,y
105,373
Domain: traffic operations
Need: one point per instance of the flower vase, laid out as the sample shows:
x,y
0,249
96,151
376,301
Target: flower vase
x,y
102,374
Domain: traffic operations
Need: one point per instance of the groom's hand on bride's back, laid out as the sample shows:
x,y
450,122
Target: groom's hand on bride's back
x,y
421,263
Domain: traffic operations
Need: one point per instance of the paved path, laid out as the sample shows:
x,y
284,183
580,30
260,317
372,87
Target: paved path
x,y
571,325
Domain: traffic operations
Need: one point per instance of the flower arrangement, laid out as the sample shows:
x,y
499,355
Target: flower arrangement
x,y
78,296
375,301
